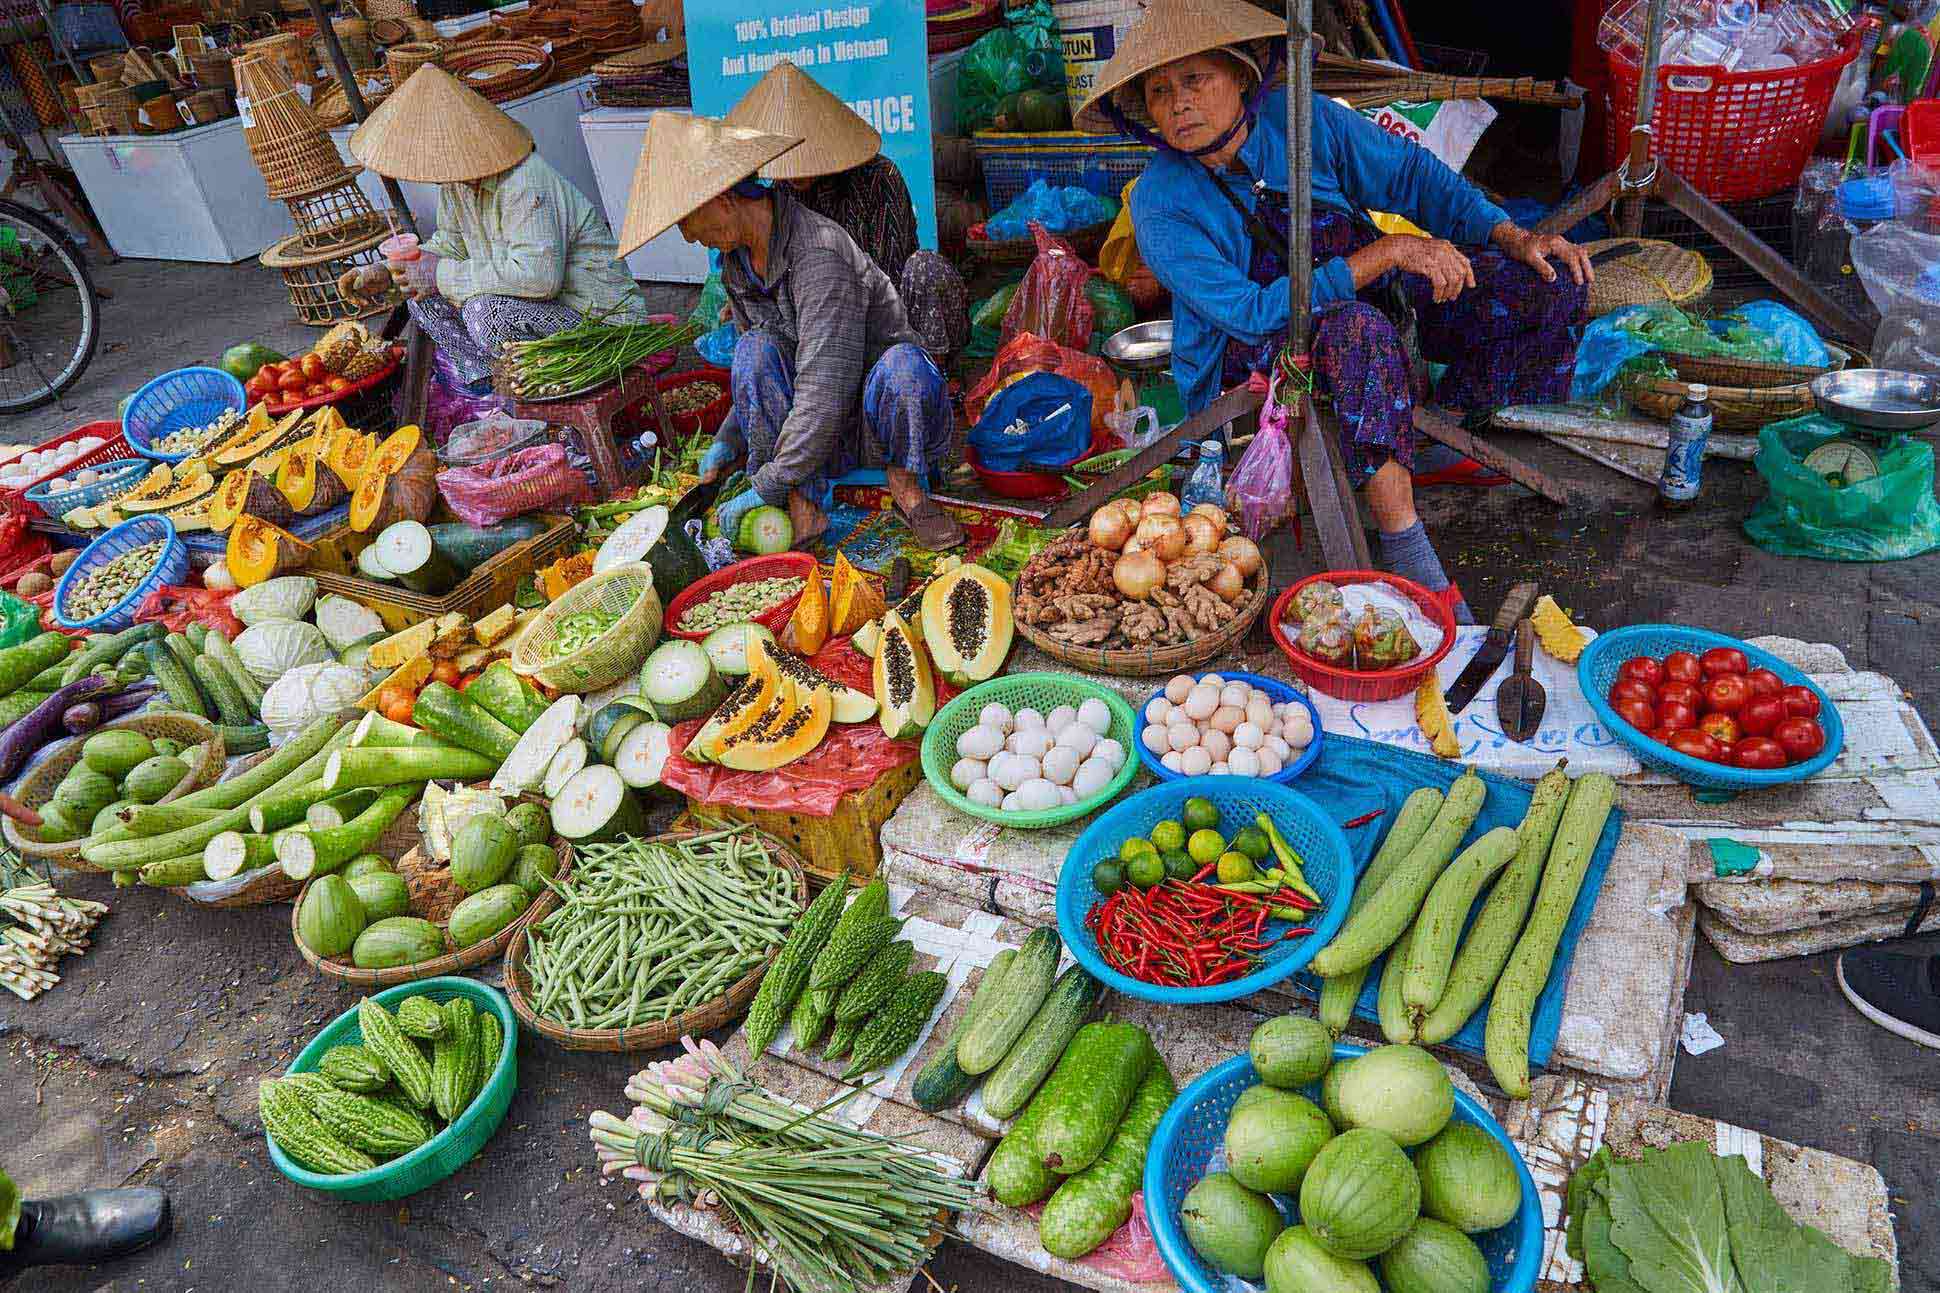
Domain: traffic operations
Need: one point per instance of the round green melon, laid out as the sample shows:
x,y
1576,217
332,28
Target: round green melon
x,y
242,362
1230,1226
1434,1257
1360,1194
530,823
1291,1051
482,852
1271,1142
1468,1179
1330,1092
383,893
331,918
1400,1090
1298,1263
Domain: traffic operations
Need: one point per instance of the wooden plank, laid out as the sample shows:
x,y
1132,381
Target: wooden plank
x,y
1343,540
1578,422
1077,507
1436,427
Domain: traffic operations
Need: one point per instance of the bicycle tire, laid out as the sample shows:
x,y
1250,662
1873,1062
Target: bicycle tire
x,y
62,248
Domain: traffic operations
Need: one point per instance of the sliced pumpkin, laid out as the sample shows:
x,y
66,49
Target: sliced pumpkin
x,y
396,449
327,422
385,497
784,740
186,487
308,485
234,450
967,623
259,551
350,456
811,617
854,599
244,491
557,579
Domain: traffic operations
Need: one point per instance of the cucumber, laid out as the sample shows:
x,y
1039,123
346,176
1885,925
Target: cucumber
x,y
1025,988
507,697
729,647
596,806
444,711
304,854
1506,1038
405,549
175,679
1008,1087
1339,994
679,680
1373,929
219,649
233,852
1443,914
197,634
105,649
1088,1092
1090,1207
522,770
230,703
942,1082
349,769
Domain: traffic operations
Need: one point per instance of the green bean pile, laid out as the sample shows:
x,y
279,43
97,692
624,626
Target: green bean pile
x,y
647,931
738,603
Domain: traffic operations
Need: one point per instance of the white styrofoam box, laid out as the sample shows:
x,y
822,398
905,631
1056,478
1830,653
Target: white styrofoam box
x,y
191,195
613,137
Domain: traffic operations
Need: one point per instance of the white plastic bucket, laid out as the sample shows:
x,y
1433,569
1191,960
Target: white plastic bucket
x,y
1089,31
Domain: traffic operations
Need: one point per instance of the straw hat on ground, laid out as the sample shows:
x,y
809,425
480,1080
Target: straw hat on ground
x,y
788,101
1170,30
685,162
436,131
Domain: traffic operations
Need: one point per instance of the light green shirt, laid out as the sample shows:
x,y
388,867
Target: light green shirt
x,y
529,233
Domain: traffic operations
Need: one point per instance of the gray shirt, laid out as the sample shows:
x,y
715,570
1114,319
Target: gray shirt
x,y
826,304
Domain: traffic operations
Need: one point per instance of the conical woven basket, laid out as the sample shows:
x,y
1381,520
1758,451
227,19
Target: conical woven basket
x,y
285,137
286,51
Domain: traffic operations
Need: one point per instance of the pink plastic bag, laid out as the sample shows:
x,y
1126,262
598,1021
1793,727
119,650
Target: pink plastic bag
x,y
525,480
1261,486
1051,300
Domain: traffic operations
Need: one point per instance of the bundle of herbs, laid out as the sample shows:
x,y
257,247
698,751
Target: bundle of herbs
x,y
586,355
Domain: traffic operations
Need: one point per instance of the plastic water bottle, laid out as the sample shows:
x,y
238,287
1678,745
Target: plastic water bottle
x,y
1684,459
1207,484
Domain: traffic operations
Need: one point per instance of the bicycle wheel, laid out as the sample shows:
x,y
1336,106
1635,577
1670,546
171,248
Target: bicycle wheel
x,y
49,318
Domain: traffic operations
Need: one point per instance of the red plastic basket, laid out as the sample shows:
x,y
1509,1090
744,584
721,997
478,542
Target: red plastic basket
x,y
115,446
1031,484
1921,128
1732,135
782,565
1360,685
705,420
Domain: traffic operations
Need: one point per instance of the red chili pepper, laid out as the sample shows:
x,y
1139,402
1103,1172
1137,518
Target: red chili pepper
x,y
1204,871
1362,820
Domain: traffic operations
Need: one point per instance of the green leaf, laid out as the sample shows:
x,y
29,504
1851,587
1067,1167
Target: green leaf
x,y
9,1211
1872,1275
1607,1269
1667,1215
1576,1197
1772,1251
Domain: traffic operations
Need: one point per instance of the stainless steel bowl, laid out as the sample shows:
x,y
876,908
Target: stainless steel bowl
x,y
1878,399
1141,348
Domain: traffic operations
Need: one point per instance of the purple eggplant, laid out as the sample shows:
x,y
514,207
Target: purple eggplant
x,y
127,702
83,718
43,724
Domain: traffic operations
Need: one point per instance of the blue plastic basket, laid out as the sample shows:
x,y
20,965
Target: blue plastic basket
x,y
173,568
122,471
1064,158
187,397
1310,832
1273,687
1194,1128
1596,673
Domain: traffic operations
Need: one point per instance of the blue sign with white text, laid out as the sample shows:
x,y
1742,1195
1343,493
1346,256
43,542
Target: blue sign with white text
x,y
874,57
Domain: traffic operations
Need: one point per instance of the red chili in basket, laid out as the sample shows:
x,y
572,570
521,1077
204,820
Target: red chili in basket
x,y
1190,933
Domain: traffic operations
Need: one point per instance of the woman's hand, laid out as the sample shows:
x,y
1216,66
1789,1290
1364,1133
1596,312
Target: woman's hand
x,y
1435,259
417,279
1536,249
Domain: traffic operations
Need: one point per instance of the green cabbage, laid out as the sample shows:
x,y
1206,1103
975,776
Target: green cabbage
x,y
274,647
288,598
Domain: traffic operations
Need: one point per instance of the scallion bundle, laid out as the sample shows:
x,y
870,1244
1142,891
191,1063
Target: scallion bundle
x,y
588,354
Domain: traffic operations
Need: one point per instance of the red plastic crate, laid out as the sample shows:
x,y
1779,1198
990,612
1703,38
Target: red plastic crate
x,y
116,446
707,419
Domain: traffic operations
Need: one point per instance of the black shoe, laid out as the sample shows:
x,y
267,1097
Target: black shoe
x,y
85,1228
1898,992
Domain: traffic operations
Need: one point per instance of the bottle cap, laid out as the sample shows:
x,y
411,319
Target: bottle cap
x,y
1211,446
1700,392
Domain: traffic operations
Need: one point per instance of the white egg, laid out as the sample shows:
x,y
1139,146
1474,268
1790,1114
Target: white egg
x,y
1012,771
1060,718
1202,702
1027,718
1281,750
86,476
89,443
1216,743
1061,764
1170,761
1195,762
1092,778
1036,795
1259,710
1111,752
1096,715
1079,738
1067,795
1033,741
1226,718
980,742
967,772
1177,689
1156,739
1220,769
1157,711
58,486
1182,736
1012,803
995,715
1298,728
985,793
1270,763
1031,766
1248,736
1244,762
1235,694
1212,680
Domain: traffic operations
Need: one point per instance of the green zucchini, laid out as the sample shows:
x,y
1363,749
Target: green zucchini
x,y
445,712
1088,1092
223,652
248,739
1025,987
942,1082
304,854
197,634
349,769
1443,913
1339,994
1090,1206
176,681
230,703
1008,1087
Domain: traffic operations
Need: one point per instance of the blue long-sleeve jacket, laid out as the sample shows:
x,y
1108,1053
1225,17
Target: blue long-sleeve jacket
x,y
1197,245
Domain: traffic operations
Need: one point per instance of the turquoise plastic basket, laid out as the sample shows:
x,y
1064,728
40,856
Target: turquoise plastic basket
x,y
1194,1129
1273,687
122,471
1310,832
187,397
451,1148
173,568
1043,692
1596,673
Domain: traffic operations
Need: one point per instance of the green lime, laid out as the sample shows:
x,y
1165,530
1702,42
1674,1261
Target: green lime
x,y
1145,870
1179,864
1205,846
1253,843
1167,836
1134,848
1108,877
1236,868
1200,815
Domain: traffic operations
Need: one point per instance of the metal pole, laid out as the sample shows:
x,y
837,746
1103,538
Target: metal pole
x,y
355,97
1300,150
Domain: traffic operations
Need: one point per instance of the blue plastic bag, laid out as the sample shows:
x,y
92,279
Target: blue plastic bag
x,y
1758,330
717,347
1042,420
1059,210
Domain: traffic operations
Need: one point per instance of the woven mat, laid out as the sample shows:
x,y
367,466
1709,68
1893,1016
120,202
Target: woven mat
x,y
864,528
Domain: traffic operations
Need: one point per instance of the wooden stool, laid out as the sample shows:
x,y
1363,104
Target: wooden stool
x,y
593,414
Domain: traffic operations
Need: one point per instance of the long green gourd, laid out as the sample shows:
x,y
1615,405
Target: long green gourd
x,y
1090,1206
1397,1025
1442,916
1339,994
307,854
349,769
313,738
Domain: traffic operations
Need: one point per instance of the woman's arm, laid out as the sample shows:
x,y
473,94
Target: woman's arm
x,y
1383,172
829,309
1183,258
529,261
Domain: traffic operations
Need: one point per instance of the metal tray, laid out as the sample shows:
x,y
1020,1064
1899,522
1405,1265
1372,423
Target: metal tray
x,y
1141,348
1878,399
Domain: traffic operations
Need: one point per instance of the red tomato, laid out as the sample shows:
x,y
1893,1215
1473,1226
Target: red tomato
x,y
1764,682
1684,693
290,380
1722,660
1758,752
1643,668
1637,713
337,383
1682,666
1722,728
1800,702
1726,694
1676,715
1660,734
1698,745
1761,714
1801,737
311,366
1633,689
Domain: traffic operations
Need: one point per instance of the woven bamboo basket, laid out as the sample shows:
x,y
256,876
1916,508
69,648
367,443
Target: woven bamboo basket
x,y
310,276
141,67
721,1011
206,106
334,215
389,10
431,897
354,35
213,69
101,93
501,69
204,757
107,67
158,115
332,105
1719,370
1733,408
402,60
285,138
423,29
1157,660
112,119
286,51
1656,273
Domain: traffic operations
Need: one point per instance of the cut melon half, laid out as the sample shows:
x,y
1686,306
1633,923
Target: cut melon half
x,y
596,805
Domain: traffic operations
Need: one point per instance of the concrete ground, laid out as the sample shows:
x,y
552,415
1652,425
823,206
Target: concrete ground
x,y
142,1066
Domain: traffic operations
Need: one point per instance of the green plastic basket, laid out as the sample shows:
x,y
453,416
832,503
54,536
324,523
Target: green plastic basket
x,y
451,1148
1043,692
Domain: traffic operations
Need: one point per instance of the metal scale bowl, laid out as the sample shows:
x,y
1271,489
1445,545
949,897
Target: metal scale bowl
x,y
1875,404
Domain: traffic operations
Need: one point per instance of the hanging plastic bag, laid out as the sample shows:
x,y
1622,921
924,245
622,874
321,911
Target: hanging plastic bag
x,y
1042,421
992,70
1881,518
1261,486
707,311
1029,353
717,347
1118,259
1051,301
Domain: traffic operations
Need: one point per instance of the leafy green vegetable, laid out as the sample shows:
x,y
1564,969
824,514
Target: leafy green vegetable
x,y
1607,1267
1667,1215
1578,1194
1771,1250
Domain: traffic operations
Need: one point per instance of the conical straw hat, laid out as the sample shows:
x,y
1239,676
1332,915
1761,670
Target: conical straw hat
x,y
436,131
788,101
1168,31
686,161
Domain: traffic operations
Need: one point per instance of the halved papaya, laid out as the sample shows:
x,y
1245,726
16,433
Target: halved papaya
x,y
967,623
851,706
258,551
765,695
854,599
256,424
187,486
904,684
781,740
244,491
811,617
350,456
236,450
308,485
191,516
396,449
157,481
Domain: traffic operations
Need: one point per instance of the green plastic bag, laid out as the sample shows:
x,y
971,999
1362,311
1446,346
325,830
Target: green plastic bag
x,y
19,620
707,311
1885,518
991,310
992,70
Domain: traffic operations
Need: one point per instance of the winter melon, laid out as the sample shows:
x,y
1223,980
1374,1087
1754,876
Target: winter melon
x,y
1360,1194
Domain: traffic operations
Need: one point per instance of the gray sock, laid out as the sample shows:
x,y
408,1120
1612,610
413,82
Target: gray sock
x,y
1408,553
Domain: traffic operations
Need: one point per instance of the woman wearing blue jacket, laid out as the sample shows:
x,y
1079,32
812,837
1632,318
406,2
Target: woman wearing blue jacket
x,y
1211,216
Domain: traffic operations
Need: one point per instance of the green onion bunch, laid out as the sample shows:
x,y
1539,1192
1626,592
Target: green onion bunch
x,y
588,354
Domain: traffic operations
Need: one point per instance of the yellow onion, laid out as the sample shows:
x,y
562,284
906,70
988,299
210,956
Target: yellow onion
x,y
1138,575
1242,552
1201,535
1109,529
1164,535
1229,583
1215,513
1127,508
1159,505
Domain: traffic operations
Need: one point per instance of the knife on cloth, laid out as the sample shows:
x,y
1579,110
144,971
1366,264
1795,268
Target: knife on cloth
x,y
1519,701
1495,646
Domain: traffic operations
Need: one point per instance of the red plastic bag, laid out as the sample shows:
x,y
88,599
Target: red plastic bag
x,y
1028,353
525,480
180,607
20,547
1051,300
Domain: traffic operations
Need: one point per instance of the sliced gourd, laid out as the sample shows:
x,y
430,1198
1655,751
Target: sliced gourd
x,y
186,488
259,551
854,600
243,492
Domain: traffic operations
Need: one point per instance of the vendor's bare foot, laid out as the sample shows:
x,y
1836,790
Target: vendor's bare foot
x,y
809,520
933,527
